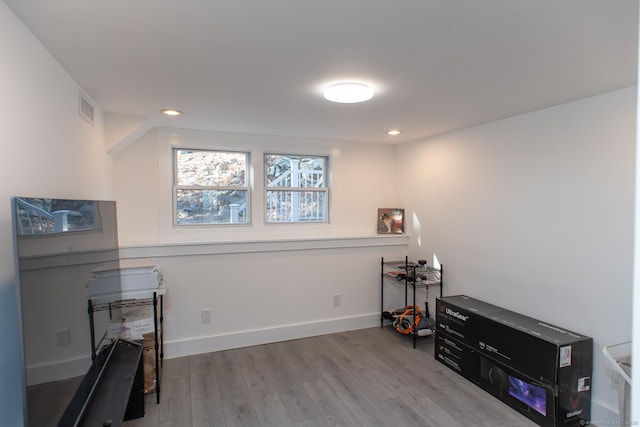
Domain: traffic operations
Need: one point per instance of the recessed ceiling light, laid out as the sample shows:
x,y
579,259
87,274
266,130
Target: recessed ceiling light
x,y
394,132
171,112
348,92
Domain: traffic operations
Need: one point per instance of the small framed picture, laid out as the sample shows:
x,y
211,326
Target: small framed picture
x,y
390,221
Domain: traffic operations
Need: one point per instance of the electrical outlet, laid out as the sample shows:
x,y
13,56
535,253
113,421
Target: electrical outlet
x,y
336,300
63,337
206,315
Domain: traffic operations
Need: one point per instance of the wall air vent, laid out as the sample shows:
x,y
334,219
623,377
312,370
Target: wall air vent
x,y
86,109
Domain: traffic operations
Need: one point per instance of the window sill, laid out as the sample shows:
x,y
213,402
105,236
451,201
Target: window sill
x,y
253,246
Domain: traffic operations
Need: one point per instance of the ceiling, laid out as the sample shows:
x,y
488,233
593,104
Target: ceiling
x,y
258,66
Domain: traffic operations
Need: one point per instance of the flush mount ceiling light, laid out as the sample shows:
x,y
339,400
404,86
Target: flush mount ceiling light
x,y
348,92
171,112
394,132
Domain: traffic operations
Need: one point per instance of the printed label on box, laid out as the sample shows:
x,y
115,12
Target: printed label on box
x,y
565,356
584,383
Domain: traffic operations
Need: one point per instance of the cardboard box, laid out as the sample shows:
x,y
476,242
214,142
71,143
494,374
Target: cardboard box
x,y
149,362
545,352
544,404
149,340
471,333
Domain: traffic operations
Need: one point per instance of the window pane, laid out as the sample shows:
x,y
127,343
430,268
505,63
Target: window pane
x,y
295,171
211,206
211,168
296,206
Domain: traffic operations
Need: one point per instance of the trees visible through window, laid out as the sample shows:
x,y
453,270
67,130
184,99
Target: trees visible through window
x,y
210,187
296,188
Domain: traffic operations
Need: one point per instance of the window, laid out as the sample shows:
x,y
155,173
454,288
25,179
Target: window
x,y
210,187
296,188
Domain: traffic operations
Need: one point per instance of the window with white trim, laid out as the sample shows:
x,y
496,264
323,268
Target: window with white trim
x,y
210,187
296,188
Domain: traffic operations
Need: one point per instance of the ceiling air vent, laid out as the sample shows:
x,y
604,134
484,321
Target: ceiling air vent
x,y
86,109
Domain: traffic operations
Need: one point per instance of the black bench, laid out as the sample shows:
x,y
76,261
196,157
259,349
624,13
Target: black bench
x,y
112,390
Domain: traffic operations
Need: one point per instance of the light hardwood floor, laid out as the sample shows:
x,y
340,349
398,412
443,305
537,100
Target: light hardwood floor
x,y
370,377
47,402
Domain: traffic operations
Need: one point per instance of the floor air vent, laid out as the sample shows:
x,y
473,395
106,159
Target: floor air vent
x,y
86,109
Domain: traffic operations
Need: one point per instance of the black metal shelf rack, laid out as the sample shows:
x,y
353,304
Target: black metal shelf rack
x,y
413,276
157,302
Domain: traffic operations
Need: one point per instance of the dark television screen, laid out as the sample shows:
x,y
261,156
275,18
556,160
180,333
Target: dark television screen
x,y
533,396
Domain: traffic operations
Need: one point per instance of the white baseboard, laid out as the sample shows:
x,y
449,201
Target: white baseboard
x,y
57,371
227,341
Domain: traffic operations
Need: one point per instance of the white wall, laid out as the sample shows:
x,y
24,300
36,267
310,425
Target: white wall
x,y
263,282
47,149
363,175
535,213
